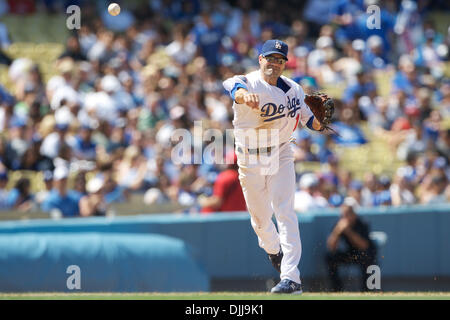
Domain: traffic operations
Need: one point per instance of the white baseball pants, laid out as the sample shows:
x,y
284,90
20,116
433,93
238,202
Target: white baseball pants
x,y
270,194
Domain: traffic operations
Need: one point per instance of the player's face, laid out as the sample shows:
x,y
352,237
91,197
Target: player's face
x,y
272,65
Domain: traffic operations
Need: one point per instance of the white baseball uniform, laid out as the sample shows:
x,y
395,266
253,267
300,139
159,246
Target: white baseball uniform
x,y
281,107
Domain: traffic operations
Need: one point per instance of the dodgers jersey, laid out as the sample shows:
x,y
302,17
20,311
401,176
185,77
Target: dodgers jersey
x,y
281,107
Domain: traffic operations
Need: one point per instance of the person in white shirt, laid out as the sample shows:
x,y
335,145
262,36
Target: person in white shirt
x,y
304,198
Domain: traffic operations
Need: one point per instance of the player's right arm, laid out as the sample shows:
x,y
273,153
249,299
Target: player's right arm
x,y
242,96
237,86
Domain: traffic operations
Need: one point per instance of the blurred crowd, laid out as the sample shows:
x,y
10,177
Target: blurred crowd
x,y
125,83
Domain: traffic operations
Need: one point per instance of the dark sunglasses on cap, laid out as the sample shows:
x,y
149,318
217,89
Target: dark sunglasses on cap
x,y
275,60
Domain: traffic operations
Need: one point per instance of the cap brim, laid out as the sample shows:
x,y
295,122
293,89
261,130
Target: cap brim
x,y
272,52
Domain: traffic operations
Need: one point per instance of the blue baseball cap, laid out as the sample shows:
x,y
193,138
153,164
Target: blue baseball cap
x,y
274,46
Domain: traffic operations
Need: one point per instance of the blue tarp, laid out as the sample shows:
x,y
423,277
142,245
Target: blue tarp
x,y
107,262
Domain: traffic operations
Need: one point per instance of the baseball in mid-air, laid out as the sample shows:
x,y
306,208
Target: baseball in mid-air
x,y
114,9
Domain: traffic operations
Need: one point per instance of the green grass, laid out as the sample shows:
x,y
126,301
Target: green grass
x,y
228,296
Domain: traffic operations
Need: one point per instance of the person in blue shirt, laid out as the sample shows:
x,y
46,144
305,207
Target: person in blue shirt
x,y
385,30
405,79
20,197
303,150
345,14
349,131
82,145
62,202
4,205
185,10
208,39
325,150
375,54
349,135
383,195
5,96
363,87
119,138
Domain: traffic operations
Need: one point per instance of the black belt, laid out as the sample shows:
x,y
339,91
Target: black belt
x,y
258,151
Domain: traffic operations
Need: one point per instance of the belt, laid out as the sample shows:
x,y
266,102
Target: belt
x,y
258,151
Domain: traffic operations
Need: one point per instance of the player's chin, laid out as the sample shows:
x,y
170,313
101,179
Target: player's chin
x,y
277,71
273,72
268,72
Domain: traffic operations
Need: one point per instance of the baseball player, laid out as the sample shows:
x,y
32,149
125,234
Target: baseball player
x,y
266,100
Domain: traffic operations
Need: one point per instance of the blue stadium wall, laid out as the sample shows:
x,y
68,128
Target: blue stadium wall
x,y
180,253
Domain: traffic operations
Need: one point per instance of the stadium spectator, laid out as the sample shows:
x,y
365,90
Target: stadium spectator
x,y
131,170
436,191
52,143
369,189
382,195
79,183
402,188
443,143
61,202
227,192
306,198
427,54
350,133
386,19
182,49
302,149
32,160
42,195
317,13
353,234
4,205
73,49
20,197
375,54
355,193
327,73
93,203
82,145
363,87
207,38
17,144
5,39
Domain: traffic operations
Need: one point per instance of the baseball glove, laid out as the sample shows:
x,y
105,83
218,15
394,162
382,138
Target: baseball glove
x,y
322,107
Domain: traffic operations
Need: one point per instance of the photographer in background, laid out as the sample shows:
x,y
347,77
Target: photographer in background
x,y
359,250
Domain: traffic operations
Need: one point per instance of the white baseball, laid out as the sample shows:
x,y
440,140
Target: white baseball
x,y
114,9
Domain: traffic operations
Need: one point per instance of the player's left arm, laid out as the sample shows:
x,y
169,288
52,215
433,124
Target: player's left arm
x,y
316,125
306,116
